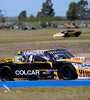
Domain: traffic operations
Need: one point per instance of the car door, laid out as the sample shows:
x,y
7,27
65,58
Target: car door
x,y
32,68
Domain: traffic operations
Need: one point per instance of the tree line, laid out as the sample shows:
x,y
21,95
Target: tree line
x,y
46,14
76,11
2,18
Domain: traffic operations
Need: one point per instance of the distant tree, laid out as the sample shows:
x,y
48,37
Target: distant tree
x,y
81,9
88,14
47,9
31,17
71,13
77,10
2,18
22,15
57,18
40,14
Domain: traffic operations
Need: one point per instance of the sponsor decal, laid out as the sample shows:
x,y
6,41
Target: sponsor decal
x,y
84,75
18,59
86,64
33,53
78,58
76,64
52,70
84,71
27,72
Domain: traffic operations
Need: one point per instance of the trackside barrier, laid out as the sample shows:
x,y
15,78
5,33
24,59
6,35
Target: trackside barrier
x,y
58,83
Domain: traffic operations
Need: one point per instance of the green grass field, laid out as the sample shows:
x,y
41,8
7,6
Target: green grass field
x,y
39,35
46,93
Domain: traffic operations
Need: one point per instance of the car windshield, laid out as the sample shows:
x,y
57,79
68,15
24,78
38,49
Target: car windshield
x,y
38,55
63,31
49,55
61,53
71,31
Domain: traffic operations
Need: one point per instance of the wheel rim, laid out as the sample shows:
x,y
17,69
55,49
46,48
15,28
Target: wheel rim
x,y
5,74
67,72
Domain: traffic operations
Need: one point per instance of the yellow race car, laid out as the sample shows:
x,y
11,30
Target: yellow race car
x,y
67,33
62,55
44,64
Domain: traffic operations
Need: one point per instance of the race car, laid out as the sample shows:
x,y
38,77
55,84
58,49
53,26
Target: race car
x,y
67,33
44,64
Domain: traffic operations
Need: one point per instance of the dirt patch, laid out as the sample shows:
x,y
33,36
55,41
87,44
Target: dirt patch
x,y
78,48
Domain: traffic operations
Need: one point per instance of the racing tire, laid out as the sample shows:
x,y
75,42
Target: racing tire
x,y
66,35
77,34
6,73
67,72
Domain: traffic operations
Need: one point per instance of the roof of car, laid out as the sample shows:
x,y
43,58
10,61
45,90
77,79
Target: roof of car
x,y
66,30
20,52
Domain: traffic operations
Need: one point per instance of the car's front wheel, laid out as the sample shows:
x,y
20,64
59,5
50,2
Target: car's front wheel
x,y
67,72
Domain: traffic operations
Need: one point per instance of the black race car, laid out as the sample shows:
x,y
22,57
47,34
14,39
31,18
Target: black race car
x,y
39,64
67,33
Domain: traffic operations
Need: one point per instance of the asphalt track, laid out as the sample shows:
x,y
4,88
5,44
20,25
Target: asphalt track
x,y
52,83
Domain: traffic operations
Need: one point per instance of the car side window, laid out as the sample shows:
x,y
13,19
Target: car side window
x,y
62,57
39,58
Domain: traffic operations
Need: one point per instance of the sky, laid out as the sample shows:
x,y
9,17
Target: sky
x,y
13,8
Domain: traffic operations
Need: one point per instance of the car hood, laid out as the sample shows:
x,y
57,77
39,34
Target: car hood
x,y
58,35
75,60
5,60
78,62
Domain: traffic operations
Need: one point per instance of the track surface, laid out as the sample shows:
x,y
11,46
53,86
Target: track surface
x,y
59,83
77,48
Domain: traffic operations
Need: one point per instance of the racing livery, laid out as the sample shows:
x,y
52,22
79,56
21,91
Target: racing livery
x,y
67,33
44,64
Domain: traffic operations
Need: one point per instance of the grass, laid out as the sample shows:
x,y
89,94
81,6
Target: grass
x,y
39,35
47,93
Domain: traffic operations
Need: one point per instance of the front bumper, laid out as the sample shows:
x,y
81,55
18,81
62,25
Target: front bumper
x,y
83,73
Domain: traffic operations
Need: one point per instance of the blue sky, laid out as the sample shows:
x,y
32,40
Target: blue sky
x,y
14,7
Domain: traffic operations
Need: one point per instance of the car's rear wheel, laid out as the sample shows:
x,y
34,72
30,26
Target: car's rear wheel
x,y
5,73
67,72
77,34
